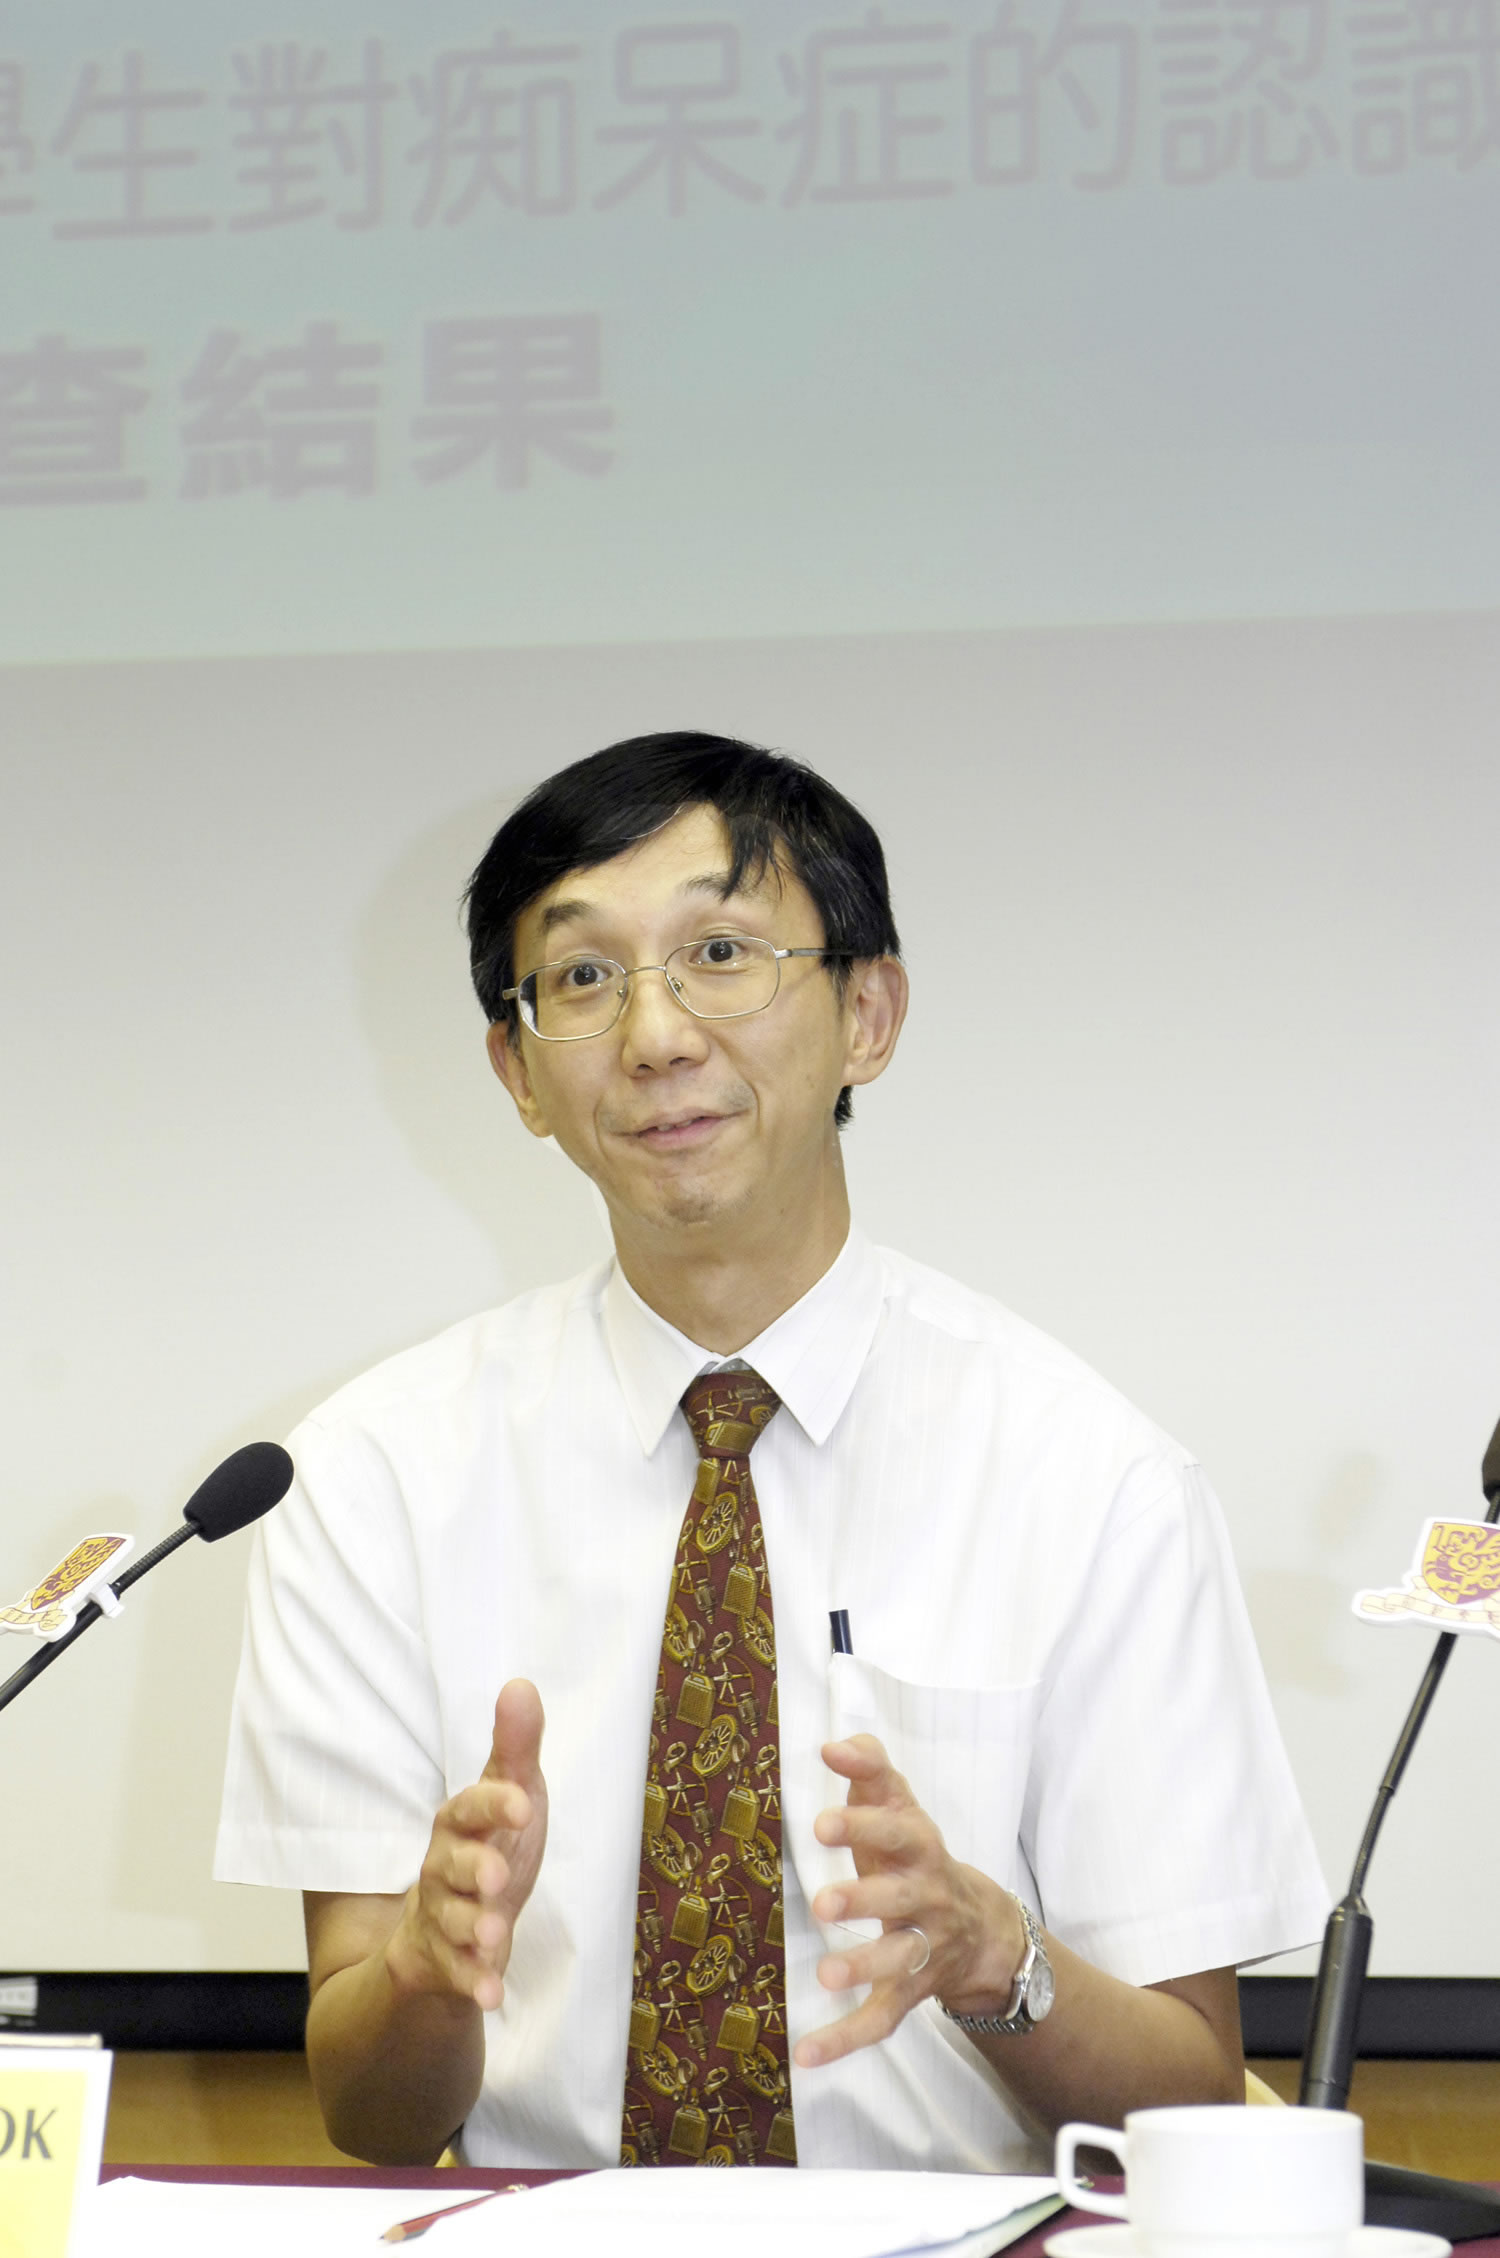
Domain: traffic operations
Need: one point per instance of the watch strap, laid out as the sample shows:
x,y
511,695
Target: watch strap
x,y
1016,2021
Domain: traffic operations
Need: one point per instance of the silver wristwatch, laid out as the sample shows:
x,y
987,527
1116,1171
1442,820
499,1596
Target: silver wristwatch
x,y
1035,1987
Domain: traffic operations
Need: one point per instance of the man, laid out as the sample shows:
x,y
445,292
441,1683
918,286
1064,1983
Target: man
x,y
963,1797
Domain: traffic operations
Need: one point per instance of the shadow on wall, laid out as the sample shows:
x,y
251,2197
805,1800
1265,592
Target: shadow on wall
x,y
1301,1613
418,1013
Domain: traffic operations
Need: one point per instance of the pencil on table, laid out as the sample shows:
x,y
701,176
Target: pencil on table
x,y
406,2230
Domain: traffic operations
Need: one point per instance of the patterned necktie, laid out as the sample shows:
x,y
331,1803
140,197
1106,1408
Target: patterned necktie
x,y
706,2079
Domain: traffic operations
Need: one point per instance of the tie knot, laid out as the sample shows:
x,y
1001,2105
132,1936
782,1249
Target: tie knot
x,y
727,1410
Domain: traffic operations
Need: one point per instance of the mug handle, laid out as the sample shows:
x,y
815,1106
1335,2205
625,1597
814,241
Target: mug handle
x,y
1070,2139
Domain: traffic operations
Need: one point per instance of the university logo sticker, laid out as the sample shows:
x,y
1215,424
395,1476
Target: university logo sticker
x,y
52,1607
1453,1581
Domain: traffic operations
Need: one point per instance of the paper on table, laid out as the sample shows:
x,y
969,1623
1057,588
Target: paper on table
x,y
174,2219
809,2214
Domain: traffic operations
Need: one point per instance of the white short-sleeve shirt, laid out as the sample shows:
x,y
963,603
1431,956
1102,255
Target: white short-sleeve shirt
x,y
1047,1632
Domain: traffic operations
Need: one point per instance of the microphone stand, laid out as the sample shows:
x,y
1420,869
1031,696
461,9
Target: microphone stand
x,y
90,1613
1394,2196
239,1490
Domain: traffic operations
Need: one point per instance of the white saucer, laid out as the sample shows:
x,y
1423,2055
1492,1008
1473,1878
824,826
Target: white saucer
x,y
1121,2242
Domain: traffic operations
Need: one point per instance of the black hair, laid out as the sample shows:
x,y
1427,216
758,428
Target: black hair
x,y
777,812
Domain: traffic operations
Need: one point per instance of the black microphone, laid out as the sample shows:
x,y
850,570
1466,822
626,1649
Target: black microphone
x,y
1489,1473
1394,2197
248,1483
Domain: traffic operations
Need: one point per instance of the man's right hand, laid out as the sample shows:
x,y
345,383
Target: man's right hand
x,y
456,1928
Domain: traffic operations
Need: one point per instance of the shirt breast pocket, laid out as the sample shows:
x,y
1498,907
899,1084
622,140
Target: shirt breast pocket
x,y
964,1751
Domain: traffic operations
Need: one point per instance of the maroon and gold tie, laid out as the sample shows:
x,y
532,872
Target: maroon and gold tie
x,y
706,2078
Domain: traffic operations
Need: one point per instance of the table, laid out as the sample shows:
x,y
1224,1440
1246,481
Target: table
x,y
425,2179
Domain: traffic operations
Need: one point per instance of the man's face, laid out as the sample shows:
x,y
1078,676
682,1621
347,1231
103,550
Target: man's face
x,y
683,1121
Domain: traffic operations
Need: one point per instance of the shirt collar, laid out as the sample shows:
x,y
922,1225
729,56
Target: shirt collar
x,y
811,1355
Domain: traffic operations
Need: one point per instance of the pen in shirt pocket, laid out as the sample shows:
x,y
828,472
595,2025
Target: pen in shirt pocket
x,y
838,1626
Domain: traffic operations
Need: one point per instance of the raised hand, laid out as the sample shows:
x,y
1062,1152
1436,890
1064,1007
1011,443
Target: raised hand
x,y
458,1922
906,1881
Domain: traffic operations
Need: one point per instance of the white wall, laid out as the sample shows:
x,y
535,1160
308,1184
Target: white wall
x,y
1201,1075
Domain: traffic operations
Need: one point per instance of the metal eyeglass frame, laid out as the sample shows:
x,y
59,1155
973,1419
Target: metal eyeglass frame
x,y
513,995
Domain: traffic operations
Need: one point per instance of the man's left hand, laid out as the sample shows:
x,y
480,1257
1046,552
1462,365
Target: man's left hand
x,y
906,1881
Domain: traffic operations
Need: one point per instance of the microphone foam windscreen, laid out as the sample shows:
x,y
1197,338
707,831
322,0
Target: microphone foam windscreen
x,y
248,1484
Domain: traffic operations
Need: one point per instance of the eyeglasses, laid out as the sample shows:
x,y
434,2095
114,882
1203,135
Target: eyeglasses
x,y
727,976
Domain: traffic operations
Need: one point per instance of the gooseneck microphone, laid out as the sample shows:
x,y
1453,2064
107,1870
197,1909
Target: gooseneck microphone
x,y
1393,2197
248,1483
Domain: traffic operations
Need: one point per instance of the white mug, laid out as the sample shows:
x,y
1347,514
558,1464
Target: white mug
x,y
1237,2182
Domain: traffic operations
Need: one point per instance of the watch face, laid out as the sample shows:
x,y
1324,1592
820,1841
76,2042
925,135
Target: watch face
x,y
1040,1991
